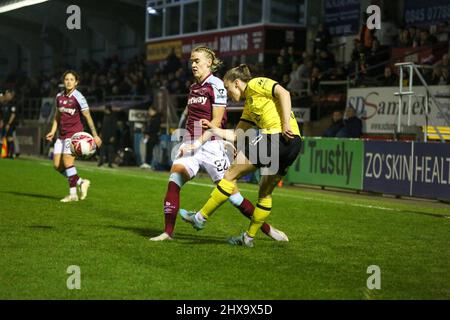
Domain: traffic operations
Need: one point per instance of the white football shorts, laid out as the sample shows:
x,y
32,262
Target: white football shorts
x,y
62,146
211,156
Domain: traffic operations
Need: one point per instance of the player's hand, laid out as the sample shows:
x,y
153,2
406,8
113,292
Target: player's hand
x,y
287,132
189,149
206,124
98,141
49,136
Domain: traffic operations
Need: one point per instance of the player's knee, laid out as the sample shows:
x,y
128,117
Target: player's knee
x,y
58,166
68,162
181,170
177,178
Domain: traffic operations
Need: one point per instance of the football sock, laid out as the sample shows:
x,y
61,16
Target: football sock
x,y
262,211
200,217
220,194
73,178
171,206
246,208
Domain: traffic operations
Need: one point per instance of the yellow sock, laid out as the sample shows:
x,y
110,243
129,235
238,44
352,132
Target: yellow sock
x,y
262,211
220,194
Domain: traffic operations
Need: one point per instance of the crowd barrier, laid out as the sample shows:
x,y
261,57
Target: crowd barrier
x,y
414,169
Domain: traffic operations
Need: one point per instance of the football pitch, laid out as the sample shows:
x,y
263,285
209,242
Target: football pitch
x,y
334,238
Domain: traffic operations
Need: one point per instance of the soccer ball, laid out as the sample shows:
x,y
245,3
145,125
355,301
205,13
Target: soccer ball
x,y
82,145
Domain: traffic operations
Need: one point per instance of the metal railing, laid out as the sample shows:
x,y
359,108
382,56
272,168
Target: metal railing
x,y
413,68
355,75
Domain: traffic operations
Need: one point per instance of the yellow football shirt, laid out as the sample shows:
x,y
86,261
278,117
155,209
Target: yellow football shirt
x,y
262,108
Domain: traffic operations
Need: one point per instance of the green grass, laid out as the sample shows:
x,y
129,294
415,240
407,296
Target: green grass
x,y
334,237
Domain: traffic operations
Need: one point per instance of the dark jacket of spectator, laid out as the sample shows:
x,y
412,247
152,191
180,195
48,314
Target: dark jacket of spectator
x,y
153,127
352,125
322,39
109,131
338,124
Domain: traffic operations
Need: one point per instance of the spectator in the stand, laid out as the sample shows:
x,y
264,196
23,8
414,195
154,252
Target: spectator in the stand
x,y
337,124
352,125
151,137
386,35
325,61
426,39
366,35
438,78
295,84
388,79
315,79
356,51
285,80
173,63
376,58
291,55
337,74
279,69
286,60
404,38
414,36
304,72
283,54
109,136
322,39
444,63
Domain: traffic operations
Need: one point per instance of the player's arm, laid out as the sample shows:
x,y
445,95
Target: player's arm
x,y
55,125
11,119
183,118
284,98
217,116
90,122
226,134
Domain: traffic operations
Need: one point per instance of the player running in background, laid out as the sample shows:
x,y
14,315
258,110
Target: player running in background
x,y
207,100
70,105
268,107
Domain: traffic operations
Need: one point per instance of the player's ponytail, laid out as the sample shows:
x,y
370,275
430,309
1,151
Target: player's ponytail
x,y
242,72
216,62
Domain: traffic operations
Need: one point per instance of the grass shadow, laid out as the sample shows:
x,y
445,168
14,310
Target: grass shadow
x,y
434,215
32,195
187,238
41,227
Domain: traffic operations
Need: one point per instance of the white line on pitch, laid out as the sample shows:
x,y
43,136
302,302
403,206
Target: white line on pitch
x,y
206,185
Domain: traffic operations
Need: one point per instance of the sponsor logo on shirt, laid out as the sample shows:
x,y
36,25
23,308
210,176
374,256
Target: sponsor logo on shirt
x,y
67,110
197,100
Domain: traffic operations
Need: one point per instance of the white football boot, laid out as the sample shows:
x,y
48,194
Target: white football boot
x,y
162,237
70,198
84,186
278,235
